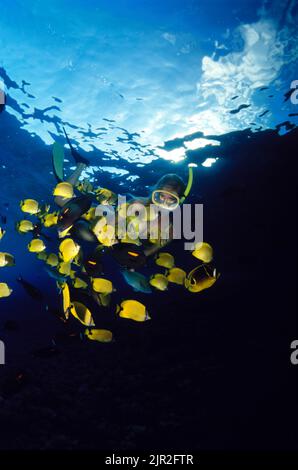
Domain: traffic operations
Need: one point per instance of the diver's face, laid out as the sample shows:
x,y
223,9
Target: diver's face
x,y
166,198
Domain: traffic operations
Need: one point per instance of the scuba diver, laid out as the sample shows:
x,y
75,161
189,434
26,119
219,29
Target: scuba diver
x,y
168,193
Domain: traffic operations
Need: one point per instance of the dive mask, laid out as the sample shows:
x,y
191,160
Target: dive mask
x,y
165,199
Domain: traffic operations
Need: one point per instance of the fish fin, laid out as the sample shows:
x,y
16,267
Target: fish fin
x,y
58,161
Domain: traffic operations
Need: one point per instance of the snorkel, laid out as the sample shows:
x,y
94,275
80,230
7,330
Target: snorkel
x,y
189,182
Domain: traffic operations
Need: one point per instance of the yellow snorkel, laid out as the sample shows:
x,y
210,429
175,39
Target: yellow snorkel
x,y
168,199
189,183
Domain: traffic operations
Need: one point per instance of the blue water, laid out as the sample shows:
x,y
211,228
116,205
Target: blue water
x,y
127,79
144,87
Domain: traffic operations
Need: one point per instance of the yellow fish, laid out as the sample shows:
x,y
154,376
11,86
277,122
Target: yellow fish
x,y
90,214
63,233
177,276
159,281
36,245
78,283
52,260
24,226
166,260
42,255
101,286
6,260
203,251
50,219
105,233
81,313
85,186
107,236
64,268
30,206
105,299
105,196
66,298
103,336
131,241
72,274
133,310
68,250
64,189
5,291
200,278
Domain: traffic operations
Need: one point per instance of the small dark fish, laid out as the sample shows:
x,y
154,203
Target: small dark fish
x,y
93,264
128,255
288,94
137,281
72,211
82,231
270,96
235,97
3,219
31,290
121,96
140,99
264,88
237,110
265,112
293,114
108,120
57,99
